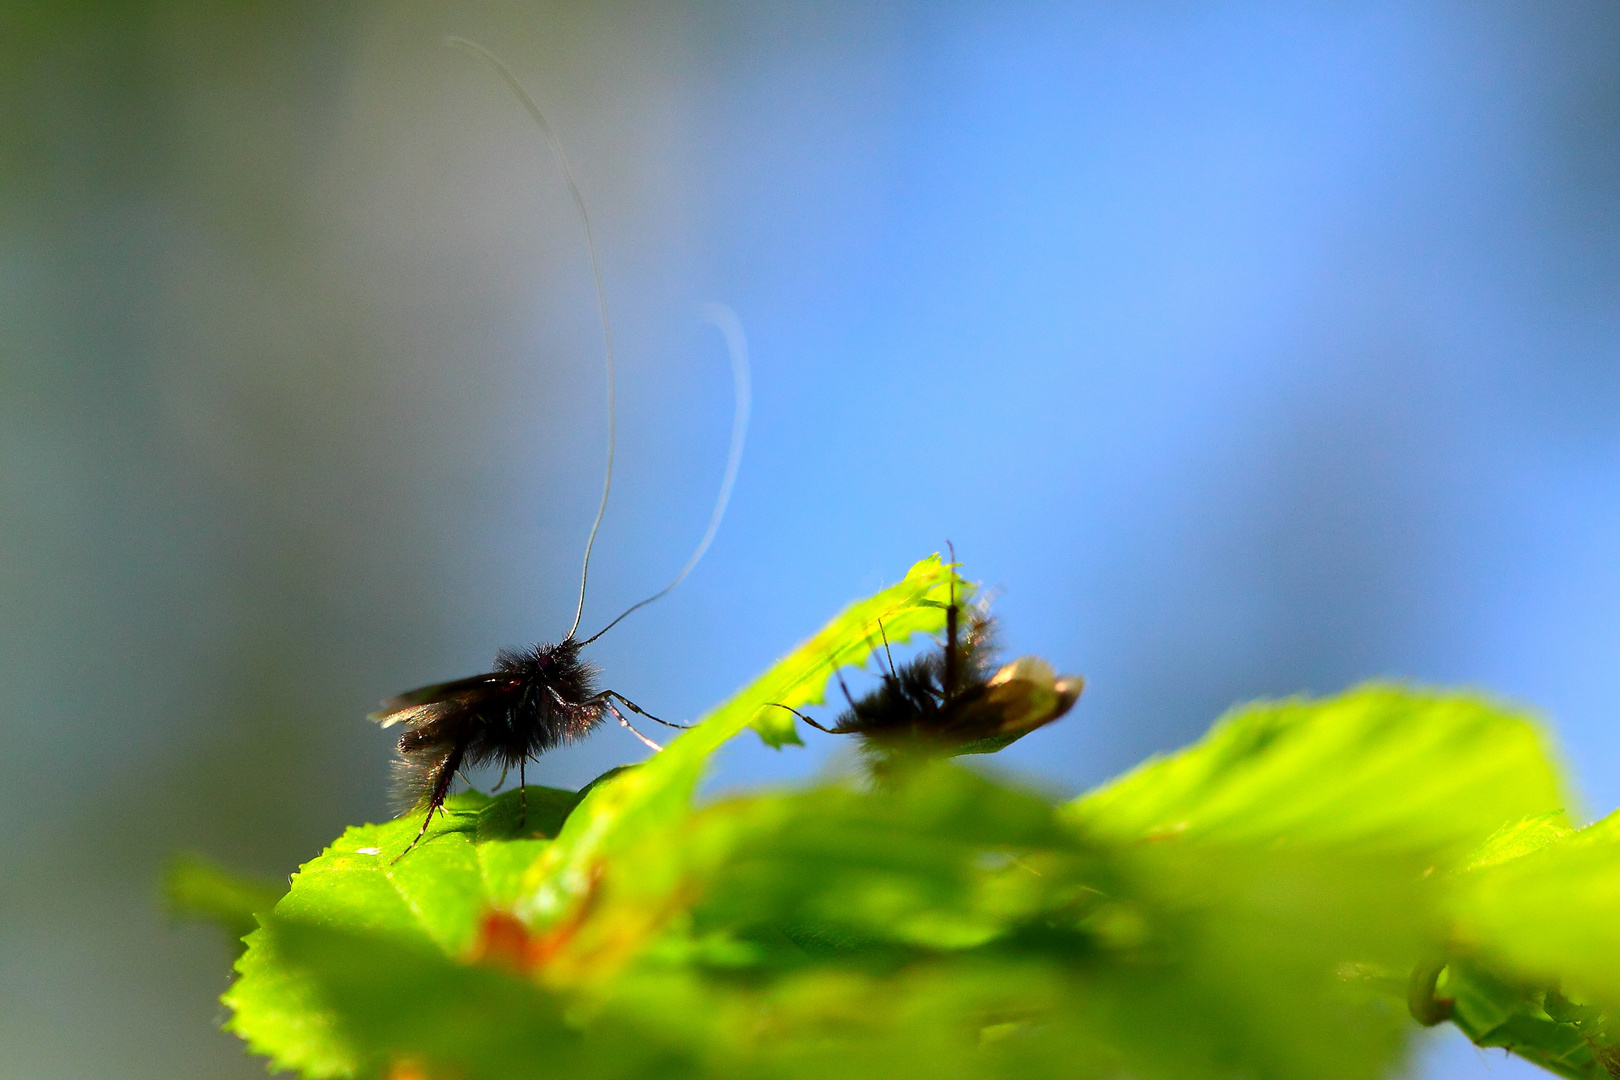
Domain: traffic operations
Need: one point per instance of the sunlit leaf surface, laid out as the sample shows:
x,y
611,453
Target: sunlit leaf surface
x,y
1381,765
471,860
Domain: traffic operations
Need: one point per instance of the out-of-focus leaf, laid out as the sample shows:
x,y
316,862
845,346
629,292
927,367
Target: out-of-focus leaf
x,y
1379,765
660,790
1087,955
471,859
952,927
1552,916
1532,960
196,888
403,1005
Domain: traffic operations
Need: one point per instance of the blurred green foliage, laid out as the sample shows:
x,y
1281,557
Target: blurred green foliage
x,y
196,889
1282,899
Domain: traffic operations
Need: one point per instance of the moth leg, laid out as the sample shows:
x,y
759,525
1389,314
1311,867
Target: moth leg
x,y
441,788
806,719
638,710
844,686
501,781
885,636
608,702
523,793
419,835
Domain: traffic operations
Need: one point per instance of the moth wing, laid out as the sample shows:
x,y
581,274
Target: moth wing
x,y
1032,693
403,708
1024,695
411,716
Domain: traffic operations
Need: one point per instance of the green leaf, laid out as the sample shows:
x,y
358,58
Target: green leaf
x,y
1171,960
1534,921
661,790
1383,768
1520,838
1380,765
395,1002
951,927
279,1012
1518,1017
1250,907
471,860
197,889
915,606
1548,917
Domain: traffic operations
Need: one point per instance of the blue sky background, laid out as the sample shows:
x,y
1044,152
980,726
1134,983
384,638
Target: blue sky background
x,y
1248,349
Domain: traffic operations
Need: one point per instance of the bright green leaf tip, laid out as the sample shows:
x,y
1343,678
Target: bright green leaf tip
x,y
914,606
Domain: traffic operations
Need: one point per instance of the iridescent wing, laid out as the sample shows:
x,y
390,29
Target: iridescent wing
x,y
402,708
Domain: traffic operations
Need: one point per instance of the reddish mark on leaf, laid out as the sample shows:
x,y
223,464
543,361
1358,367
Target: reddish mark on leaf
x,y
406,1069
506,942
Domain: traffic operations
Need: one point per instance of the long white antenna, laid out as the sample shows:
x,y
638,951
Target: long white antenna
x,y
601,293
737,346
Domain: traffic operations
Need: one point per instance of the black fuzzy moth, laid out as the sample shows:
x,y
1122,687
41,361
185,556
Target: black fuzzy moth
x,y
954,700
538,698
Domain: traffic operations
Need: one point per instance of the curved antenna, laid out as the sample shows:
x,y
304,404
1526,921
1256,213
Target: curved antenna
x,y
730,328
596,272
